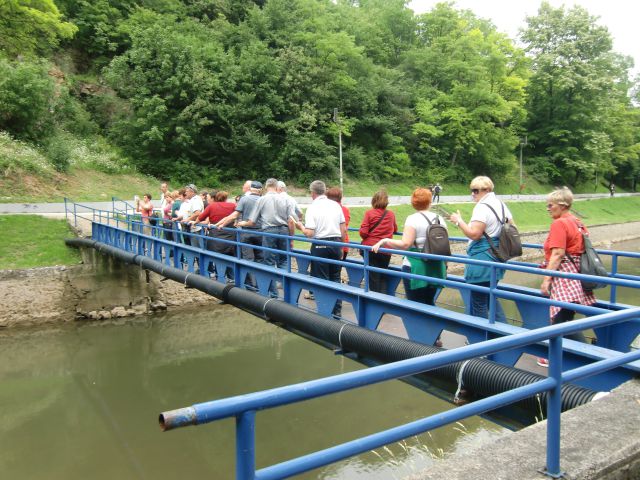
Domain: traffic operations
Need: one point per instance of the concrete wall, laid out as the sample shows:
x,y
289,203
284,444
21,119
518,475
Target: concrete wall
x,y
600,440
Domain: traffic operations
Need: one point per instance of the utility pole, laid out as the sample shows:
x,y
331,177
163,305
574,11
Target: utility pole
x,y
523,143
335,119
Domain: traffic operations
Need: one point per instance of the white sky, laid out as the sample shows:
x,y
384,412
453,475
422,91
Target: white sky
x,y
621,17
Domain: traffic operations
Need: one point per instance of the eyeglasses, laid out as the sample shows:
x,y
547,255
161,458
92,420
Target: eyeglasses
x,y
476,191
549,205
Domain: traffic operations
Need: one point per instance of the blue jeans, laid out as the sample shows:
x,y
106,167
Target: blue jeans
x,y
480,304
272,258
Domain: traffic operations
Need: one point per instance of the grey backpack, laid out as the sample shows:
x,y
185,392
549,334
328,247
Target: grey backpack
x,y
510,244
437,238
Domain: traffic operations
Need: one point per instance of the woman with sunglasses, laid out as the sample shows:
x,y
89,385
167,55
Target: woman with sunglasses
x,y
562,250
483,221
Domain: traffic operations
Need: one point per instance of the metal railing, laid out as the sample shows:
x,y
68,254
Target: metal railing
x,y
245,407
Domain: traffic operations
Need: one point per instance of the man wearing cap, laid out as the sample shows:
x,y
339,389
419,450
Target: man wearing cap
x,y
324,220
195,208
247,203
273,212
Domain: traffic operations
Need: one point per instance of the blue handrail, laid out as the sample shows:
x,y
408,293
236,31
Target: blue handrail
x,y
244,407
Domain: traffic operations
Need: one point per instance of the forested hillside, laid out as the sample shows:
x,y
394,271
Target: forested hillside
x,y
216,90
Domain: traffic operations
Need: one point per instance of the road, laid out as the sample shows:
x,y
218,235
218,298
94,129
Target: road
x,y
59,208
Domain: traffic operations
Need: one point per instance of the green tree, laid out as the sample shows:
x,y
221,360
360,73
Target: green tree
x,y
469,86
578,84
32,27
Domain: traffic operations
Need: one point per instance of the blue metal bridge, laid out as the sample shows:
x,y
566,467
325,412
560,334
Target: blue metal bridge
x,y
601,367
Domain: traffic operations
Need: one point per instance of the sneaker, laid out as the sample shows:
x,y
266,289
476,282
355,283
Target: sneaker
x,y
543,362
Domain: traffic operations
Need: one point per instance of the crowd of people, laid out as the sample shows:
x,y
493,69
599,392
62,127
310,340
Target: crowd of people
x,y
268,216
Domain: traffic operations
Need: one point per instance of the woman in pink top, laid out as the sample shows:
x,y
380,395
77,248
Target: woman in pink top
x,y
145,208
378,223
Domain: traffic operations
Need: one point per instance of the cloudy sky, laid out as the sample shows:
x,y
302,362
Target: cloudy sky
x,y
619,16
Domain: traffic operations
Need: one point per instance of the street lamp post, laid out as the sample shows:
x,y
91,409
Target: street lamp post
x,y
523,143
335,119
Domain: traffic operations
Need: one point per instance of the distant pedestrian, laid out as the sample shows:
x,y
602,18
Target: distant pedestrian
x,y
436,192
612,189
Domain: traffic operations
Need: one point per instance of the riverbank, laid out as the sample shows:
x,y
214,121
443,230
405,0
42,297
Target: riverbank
x,y
102,288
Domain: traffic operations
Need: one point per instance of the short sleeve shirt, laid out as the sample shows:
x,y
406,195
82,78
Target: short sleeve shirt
x,y
273,210
420,224
245,207
482,213
196,205
564,233
324,216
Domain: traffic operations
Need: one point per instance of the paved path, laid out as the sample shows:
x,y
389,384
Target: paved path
x,y
44,208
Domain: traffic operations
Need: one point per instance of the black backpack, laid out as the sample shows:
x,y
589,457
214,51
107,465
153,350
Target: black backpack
x,y
510,244
437,238
590,264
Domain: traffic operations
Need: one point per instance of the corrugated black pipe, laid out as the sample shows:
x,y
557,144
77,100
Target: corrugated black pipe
x,y
480,376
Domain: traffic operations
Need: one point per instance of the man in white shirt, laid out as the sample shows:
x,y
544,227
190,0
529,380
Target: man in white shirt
x,y
195,208
324,220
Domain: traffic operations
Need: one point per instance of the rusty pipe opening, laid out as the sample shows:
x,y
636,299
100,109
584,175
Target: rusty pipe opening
x,y
182,417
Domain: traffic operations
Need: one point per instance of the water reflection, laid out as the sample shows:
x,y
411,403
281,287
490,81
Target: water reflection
x,y
85,398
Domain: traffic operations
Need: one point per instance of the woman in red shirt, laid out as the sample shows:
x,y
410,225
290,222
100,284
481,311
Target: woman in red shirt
x,y
378,223
145,207
216,211
562,250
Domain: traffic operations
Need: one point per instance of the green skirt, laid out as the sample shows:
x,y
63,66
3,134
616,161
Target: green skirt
x,y
428,268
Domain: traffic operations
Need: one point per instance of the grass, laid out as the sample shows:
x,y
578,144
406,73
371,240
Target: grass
x,y
33,241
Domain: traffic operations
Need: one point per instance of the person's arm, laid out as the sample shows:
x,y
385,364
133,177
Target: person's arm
x,y
473,230
554,263
408,239
343,232
228,219
308,232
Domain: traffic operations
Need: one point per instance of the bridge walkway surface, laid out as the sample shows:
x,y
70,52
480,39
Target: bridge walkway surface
x,y
466,339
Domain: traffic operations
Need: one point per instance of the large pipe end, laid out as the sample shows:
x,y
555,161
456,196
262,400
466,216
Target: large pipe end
x,y
182,417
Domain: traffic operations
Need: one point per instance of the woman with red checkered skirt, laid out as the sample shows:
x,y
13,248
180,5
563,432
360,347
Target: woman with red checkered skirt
x,y
562,250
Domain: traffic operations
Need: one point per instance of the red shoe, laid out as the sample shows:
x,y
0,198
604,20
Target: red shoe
x,y
543,362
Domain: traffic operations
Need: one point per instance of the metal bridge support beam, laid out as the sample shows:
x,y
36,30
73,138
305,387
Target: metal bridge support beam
x,y
245,445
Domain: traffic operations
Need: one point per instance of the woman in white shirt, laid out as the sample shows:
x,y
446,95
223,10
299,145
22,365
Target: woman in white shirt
x,y
413,238
483,220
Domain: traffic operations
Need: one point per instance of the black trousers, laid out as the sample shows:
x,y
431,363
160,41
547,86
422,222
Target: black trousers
x,y
327,271
378,281
566,315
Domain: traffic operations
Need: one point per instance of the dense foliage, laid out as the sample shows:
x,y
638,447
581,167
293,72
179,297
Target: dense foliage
x,y
213,90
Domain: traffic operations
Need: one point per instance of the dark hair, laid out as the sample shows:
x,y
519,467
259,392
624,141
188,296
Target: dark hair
x,y
380,199
148,195
221,196
421,198
335,194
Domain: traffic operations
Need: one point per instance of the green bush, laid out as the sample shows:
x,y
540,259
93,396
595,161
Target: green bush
x,y
59,153
27,98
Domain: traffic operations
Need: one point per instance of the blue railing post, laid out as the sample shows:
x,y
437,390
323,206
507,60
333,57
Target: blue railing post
x,y
365,260
554,409
614,270
246,445
492,298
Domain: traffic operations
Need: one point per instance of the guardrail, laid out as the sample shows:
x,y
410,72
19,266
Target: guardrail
x,y
132,222
245,407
